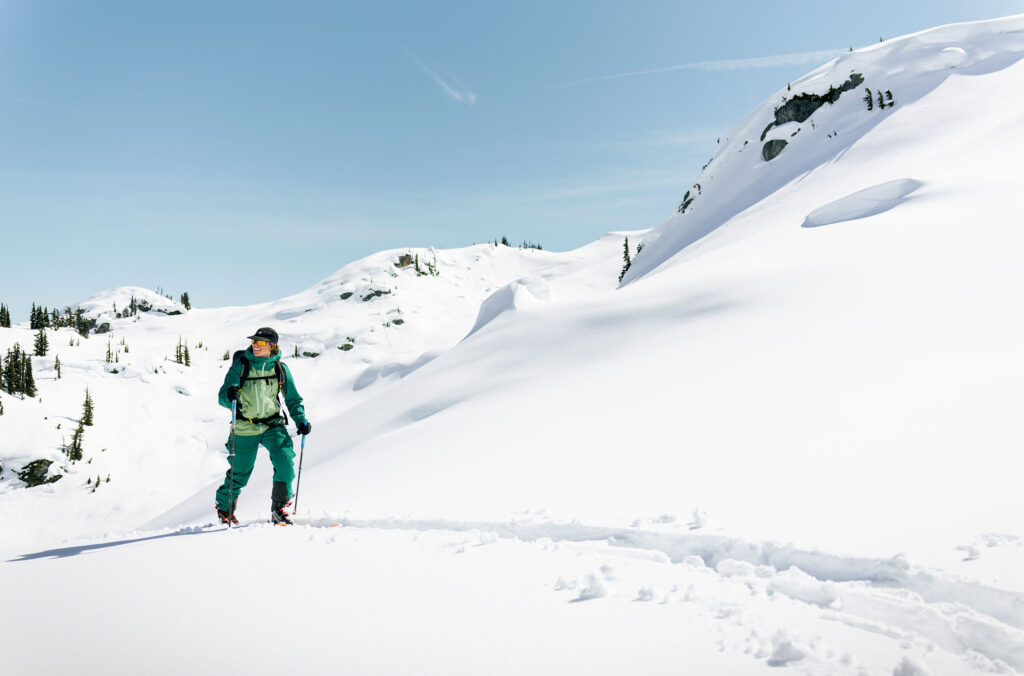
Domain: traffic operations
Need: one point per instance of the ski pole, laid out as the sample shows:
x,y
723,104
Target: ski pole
x,y
298,481
231,457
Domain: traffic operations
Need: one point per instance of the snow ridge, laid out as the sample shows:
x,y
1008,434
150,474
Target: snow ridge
x,y
737,177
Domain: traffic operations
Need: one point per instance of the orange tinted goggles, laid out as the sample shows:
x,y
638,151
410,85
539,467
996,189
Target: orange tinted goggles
x,y
261,343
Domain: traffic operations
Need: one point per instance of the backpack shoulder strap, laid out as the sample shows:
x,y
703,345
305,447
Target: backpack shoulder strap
x,y
240,357
281,375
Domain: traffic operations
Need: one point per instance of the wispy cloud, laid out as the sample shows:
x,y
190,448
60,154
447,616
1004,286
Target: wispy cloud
x,y
452,86
725,64
664,139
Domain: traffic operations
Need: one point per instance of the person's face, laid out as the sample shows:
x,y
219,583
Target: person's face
x,y
261,348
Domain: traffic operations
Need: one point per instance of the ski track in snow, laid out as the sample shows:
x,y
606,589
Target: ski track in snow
x,y
887,597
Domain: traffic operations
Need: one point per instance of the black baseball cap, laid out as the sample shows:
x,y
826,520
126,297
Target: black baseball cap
x,y
265,333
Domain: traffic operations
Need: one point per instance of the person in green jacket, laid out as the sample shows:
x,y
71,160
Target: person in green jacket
x,y
256,380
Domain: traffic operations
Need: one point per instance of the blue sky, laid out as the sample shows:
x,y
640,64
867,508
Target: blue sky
x,y
244,150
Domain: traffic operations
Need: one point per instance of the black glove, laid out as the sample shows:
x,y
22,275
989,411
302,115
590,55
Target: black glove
x,y
303,428
233,393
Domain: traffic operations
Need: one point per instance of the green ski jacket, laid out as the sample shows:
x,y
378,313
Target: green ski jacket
x,y
258,396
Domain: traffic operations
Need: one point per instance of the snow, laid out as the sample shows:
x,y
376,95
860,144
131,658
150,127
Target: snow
x,y
864,203
498,460
102,306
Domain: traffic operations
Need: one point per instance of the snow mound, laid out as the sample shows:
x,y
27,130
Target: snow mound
x,y
785,651
951,57
514,296
103,305
867,202
909,667
594,589
798,585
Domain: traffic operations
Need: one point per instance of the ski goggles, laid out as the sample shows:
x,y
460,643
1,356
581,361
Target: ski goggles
x,y
261,343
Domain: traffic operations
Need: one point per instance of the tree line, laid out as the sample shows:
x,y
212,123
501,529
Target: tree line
x,y
44,318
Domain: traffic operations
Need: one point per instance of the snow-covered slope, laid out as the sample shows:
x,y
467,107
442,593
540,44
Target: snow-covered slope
x,y
789,439
159,433
941,106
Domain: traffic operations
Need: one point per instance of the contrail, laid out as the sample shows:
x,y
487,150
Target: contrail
x,y
725,64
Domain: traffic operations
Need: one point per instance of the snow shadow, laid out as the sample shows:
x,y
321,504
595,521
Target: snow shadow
x,y
375,373
867,202
63,552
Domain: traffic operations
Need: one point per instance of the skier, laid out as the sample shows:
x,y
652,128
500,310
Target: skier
x,y
256,380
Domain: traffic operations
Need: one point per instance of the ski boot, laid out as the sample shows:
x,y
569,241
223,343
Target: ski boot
x,y
278,515
228,517
279,502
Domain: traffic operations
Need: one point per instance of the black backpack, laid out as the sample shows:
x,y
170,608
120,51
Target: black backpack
x,y
279,374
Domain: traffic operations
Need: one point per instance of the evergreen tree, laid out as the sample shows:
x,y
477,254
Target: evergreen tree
x,y
188,360
37,317
626,261
888,97
5,317
1,412
12,370
185,301
74,451
504,240
869,99
28,382
110,354
81,324
87,409
56,365
881,100
180,352
42,343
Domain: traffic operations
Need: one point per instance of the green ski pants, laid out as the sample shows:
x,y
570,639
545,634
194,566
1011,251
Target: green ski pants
x,y
282,456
